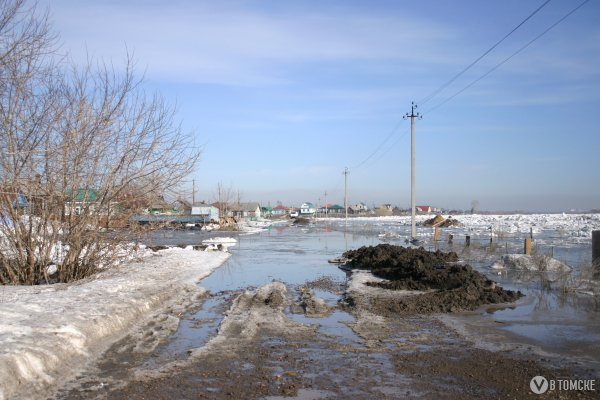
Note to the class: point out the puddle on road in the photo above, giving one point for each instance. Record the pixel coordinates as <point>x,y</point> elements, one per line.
<point>333,325</point>
<point>195,329</point>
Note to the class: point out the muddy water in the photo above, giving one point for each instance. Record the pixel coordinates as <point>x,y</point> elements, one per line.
<point>290,254</point>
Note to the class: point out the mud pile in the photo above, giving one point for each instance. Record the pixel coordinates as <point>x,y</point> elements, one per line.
<point>301,221</point>
<point>445,286</point>
<point>438,220</point>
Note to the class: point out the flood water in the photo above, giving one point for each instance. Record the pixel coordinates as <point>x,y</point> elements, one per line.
<point>548,316</point>
<point>290,254</point>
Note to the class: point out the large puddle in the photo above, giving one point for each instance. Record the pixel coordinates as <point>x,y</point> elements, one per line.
<point>290,254</point>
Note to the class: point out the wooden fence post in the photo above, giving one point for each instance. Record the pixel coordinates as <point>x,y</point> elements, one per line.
<point>596,253</point>
<point>528,247</point>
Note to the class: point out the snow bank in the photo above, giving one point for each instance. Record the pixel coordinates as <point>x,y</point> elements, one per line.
<point>48,332</point>
<point>522,262</point>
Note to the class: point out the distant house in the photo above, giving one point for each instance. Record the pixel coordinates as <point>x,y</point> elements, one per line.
<point>307,209</point>
<point>398,211</point>
<point>81,201</point>
<point>333,209</point>
<point>20,201</point>
<point>184,206</point>
<point>358,209</point>
<point>424,209</point>
<point>384,210</point>
<point>210,213</point>
<point>280,209</point>
<point>244,210</point>
<point>161,207</point>
<point>266,211</point>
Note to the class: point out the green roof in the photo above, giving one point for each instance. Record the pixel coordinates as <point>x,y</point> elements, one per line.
<point>86,195</point>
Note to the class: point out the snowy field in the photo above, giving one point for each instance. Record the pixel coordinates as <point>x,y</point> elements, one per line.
<point>49,332</point>
<point>567,225</point>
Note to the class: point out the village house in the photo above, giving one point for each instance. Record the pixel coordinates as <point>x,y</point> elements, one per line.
<point>208,212</point>
<point>385,210</point>
<point>160,207</point>
<point>331,209</point>
<point>83,201</point>
<point>424,209</point>
<point>358,209</point>
<point>266,211</point>
<point>279,210</point>
<point>307,209</point>
<point>244,210</point>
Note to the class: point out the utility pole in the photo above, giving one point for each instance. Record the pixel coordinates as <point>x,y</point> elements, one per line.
<point>346,191</point>
<point>413,195</point>
<point>325,203</point>
<point>318,206</point>
<point>193,191</point>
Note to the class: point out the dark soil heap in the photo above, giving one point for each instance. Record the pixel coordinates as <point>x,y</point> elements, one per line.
<point>455,287</point>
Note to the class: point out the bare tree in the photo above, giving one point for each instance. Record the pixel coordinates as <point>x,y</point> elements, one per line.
<point>76,150</point>
<point>223,199</point>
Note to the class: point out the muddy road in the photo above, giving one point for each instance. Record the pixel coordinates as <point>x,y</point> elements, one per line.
<point>281,323</point>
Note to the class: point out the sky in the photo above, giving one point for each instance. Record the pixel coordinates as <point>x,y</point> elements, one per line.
<point>283,95</point>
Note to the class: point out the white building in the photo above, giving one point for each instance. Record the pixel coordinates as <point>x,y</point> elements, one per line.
<point>308,209</point>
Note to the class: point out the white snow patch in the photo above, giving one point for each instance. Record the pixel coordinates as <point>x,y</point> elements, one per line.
<point>522,262</point>
<point>48,333</point>
<point>575,226</point>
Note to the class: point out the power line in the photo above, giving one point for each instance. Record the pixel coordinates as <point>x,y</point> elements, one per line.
<point>388,149</point>
<point>438,90</point>
<point>509,57</point>
<point>387,138</point>
<point>445,85</point>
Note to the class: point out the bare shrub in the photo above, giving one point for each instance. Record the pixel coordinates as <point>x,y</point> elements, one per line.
<point>80,148</point>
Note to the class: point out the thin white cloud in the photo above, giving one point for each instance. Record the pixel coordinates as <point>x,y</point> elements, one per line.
<point>206,42</point>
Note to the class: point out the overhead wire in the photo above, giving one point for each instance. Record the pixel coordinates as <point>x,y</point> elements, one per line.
<point>442,87</point>
<point>449,82</point>
<point>387,138</point>
<point>388,149</point>
<point>509,57</point>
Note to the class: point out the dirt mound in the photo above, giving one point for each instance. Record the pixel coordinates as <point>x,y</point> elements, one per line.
<point>312,305</point>
<point>301,221</point>
<point>438,220</point>
<point>450,287</point>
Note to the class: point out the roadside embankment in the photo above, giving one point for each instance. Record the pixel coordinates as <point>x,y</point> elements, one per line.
<point>48,333</point>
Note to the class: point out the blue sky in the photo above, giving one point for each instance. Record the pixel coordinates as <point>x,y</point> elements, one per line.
<point>282,95</point>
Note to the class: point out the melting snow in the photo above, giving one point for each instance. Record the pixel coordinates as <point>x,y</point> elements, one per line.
<point>48,332</point>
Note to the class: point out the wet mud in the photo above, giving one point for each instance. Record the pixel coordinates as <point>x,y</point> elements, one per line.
<point>415,357</point>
